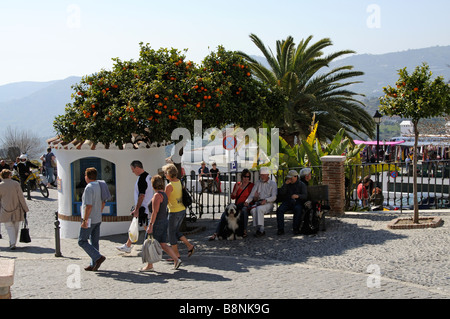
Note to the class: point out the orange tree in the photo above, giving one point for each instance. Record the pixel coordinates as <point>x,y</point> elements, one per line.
<point>416,96</point>
<point>161,91</point>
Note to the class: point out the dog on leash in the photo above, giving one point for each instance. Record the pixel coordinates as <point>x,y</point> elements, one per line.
<point>234,226</point>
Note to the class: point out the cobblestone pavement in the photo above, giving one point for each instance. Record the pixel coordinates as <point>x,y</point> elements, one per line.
<point>358,257</point>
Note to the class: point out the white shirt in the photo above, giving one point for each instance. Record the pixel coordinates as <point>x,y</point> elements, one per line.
<point>267,190</point>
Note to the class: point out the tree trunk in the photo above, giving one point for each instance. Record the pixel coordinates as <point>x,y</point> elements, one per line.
<point>416,203</point>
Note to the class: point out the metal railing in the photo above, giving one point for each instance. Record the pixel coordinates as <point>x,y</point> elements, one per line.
<point>396,183</point>
<point>395,180</point>
<point>212,195</point>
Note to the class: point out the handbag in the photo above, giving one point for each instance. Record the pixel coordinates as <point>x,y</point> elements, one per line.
<point>187,199</point>
<point>151,250</point>
<point>25,233</point>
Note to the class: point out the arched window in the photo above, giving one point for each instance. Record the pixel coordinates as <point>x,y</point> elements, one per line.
<point>106,171</point>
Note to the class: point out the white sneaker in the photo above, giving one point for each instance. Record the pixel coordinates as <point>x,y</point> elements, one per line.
<point>124,248</point>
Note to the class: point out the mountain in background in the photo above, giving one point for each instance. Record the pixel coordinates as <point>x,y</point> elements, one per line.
<point>382,70</point>
<point>33,106</point>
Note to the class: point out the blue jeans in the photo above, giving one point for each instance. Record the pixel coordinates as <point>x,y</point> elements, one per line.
<point>160,231</point>
<point>49,172</point>
<point>285,206</point>
<point>175,220</point>
<point>92,249</point>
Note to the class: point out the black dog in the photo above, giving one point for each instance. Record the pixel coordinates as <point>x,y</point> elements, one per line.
<point>233,228</point>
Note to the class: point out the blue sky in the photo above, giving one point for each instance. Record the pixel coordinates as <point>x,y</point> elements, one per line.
<point>53,39</point>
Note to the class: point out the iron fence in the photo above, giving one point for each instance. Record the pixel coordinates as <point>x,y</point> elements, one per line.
<point>211,196</point>
<point>396,183</point>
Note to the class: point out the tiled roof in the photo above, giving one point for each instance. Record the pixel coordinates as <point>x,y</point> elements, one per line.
<point>59,144</point>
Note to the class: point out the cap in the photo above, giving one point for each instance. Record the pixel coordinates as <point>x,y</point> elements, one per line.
<point>264,170</point>
<point>305,172</point>
<point>292,173</point>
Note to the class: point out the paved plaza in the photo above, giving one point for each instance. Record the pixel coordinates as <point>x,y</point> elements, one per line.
<point>357,257</point>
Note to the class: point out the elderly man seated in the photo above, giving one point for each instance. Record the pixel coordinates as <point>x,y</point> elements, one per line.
<point>264,194</point>
<point>294,194</point>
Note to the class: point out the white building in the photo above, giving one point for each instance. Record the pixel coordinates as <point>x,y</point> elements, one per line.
<point>113,166</point>
<point>406,128</point>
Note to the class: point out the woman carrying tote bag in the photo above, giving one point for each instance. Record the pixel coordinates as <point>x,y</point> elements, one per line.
<point>158,223</point>
<point>12,206</point>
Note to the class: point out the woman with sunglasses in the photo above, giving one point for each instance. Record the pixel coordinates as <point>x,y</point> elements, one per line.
<point>240,193</point>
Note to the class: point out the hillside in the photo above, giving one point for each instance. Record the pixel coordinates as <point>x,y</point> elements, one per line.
<point>17,91</point>
<point>382,70</point>
<point>34,105</point>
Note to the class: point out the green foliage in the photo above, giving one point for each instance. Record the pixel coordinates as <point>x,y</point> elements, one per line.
<point>160,92</point>
<point>300,71</point>
<point>309,152</point>
<point>416,96</point>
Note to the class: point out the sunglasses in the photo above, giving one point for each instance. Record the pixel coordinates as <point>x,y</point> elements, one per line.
<point>246,176</point>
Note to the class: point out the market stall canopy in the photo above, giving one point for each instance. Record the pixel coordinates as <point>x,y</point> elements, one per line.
<point>380,142</point>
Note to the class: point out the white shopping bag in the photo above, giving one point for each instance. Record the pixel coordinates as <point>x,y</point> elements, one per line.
<point>133,231</point>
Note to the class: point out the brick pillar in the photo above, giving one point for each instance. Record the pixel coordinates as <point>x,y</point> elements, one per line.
<point>333,175</point>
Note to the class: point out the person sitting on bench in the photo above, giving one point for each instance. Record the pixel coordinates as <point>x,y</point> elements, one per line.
<point>264,194</point>
<point>293,193</point>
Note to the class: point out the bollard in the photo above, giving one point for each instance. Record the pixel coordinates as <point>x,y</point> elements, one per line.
<point>28,191</point>
<point>57,237</point>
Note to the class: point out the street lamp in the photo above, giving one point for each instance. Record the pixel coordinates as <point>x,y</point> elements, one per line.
<point>377,119</point>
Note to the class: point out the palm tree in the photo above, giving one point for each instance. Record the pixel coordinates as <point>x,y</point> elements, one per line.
<point>322,96</point>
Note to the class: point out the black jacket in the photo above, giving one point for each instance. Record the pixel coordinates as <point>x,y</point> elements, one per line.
<point>24,169</point>
<point>298,188</point>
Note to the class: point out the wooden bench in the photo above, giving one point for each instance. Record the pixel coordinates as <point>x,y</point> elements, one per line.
<point>6,278</point>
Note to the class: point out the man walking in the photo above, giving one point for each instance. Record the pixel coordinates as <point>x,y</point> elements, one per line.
<point>91,218</point>
<point>49,165</point>
<point>143,194</point>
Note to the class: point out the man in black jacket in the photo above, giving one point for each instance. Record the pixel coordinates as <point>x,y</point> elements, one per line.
<point>294,194</point>
<point>24,169</point>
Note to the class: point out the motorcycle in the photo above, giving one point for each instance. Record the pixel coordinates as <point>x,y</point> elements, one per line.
<point>33,182</point>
